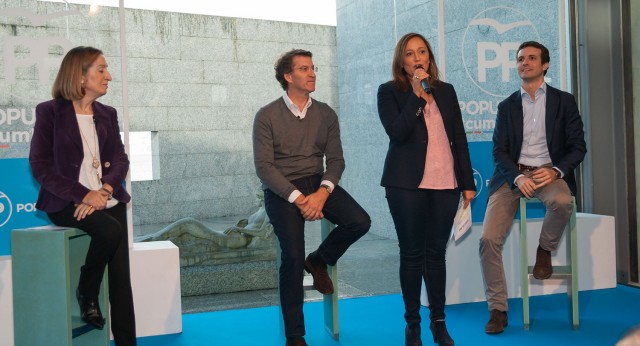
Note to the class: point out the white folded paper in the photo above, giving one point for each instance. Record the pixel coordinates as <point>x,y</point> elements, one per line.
<point>462,220</point>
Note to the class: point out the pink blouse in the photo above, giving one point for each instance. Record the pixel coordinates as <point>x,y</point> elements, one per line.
<point>438,167</point>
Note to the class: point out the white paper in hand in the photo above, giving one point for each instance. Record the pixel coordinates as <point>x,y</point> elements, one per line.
<point>462,221</point>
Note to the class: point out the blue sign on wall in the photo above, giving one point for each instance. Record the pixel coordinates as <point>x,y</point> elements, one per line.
<point>18,195</point>
<point>482,162</point>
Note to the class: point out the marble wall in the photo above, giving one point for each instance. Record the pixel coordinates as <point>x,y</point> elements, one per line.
<point>196,81</point>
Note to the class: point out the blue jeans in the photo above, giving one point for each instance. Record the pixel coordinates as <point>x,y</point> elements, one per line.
<point>351,221</point>
<point>423,220</point>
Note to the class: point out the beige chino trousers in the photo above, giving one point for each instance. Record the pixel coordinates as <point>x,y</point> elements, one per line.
<point>499,215</point>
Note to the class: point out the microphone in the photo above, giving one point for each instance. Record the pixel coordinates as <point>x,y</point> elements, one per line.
<point>94,119</point>
<point>425,82</point>
<point>425,85</point>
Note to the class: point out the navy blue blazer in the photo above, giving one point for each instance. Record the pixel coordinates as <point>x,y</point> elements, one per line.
<point>408,138</point>
<point>56,154</point>
<point>564,131</point>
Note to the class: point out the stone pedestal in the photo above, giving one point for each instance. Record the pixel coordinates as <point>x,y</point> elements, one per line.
<point>231,277</point>
<point>240,258</point>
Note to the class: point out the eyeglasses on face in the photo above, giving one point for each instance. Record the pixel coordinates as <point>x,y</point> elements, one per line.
<point>306,69</point>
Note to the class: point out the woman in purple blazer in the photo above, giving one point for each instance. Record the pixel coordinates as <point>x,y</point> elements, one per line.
<point>426,170</point>
<point>78,158</point>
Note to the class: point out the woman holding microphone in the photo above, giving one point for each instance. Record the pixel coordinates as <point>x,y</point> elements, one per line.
<point>426,170</point>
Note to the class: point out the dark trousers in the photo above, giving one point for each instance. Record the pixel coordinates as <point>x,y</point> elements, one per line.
<point>351,221</point>
<point>423,220</point>
<point>109,245</point>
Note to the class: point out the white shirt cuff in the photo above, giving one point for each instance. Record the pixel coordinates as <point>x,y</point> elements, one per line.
<point>516,179</point>
<point>293,196</point>
<point>328,183</point>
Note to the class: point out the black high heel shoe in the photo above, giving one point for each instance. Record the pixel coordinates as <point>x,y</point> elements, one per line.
<point>440,334</point>
<point>90,311</point>
<point>412,335</point>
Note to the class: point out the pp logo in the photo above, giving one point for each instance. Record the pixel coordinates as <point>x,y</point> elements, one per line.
<point>21,53</point>
<point>489,46</point>
<point>5,209</point>
<point>477,179</point>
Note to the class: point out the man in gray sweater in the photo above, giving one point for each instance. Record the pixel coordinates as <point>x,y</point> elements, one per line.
<point>293,138</point>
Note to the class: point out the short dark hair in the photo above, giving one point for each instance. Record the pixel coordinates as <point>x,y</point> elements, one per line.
<point>75,64</point>
<point>285,65</point>
<point>544,56</point>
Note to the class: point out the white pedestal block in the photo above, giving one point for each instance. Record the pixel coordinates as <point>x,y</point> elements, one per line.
<point>155,278</point>
<point>596,260</point>
<point>6,302</point>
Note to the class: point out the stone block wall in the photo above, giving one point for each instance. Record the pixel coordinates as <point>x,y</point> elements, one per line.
<point>198,81</point>
<point>195,80</point>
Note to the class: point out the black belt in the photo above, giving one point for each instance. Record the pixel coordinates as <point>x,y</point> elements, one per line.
<point>526,168</point>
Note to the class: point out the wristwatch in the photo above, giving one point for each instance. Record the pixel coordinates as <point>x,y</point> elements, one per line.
<point>110,197</point>
<point>326,187</point>
<point>558,173</point>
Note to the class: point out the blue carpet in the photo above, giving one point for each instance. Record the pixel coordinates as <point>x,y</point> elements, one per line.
<point>605,315</point>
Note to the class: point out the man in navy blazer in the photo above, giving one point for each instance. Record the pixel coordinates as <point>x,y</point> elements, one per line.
<point>538,141</point>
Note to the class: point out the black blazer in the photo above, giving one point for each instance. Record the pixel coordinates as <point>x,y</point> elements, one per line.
<point>565,137</point>
<point>405,161</point>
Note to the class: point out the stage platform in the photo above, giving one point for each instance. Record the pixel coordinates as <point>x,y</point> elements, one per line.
<point>369,268</point>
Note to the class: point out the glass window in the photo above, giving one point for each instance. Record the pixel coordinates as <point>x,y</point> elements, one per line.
<point>34,37</point>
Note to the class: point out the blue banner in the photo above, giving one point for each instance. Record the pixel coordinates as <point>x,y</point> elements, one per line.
<point>18,195</point>
<point>482,163</point>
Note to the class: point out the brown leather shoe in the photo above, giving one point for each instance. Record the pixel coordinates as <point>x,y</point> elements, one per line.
<point>296,341</point>
<point>542,270</point>
<point>315,266</point>
<point>497,321</point>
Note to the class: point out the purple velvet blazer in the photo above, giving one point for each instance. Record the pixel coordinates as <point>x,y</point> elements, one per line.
<point>56,154</point>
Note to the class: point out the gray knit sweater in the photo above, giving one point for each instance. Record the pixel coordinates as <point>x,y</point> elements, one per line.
<point>286,148</point>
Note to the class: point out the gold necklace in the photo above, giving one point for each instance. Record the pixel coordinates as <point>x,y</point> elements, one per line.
<point>95,163</point>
